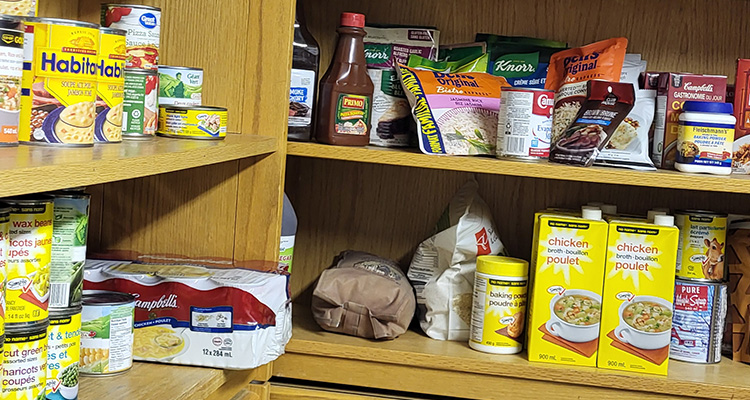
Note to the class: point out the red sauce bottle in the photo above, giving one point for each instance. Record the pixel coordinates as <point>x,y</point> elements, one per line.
<point>346,90</point>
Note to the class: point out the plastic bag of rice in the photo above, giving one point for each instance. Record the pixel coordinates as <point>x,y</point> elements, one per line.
<point>442,270</point>
<point>628,147</point>
<point>570,70</point>
<point>456,114</point>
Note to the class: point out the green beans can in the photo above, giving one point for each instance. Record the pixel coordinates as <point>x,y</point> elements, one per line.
<point>69,234</point>
<point>63,353</point>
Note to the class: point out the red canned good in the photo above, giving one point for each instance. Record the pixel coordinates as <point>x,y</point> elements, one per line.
<point>524,128</point>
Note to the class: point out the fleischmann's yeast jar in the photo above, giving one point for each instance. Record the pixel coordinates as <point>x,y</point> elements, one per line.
<point>705,138</point>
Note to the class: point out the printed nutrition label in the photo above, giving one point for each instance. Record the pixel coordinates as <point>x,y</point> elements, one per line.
<point>121,339</point>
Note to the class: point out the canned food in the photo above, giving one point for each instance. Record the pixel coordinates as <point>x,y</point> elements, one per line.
<point>525,123</point>
<point>700,310</point>
<point>140,104</point>
<point>193,122</point>
<point>180,86</point>
<point>25,8</point>
<point>59,82</point>
<point>24,362</point>
<point>70,230</point>
<point>11,68</point>
<point>106,332</point>
<point>143,24</point>
<point>110,86</point>
<point>700,254</point>
<point>4,229</point>
<point>63,353</point>
<point>29,250</point>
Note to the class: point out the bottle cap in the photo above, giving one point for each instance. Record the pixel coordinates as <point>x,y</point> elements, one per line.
<point>610,209</point>
<point>664,220</point>
<point>502,266</point>
<point>593,213</point>
<point>353,19</point>
<point>653,213</point>
<point>708,107</point>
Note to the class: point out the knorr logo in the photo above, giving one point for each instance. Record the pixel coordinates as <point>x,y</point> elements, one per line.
<point>377,54</point>
<point>516,65</point>
<point>353,102</point>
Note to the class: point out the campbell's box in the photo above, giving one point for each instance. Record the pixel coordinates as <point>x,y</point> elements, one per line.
<point>568,259</point>
<point>672,91</point>
<point>741,150</point>
<point>637,298</point>
<point>196,315</point>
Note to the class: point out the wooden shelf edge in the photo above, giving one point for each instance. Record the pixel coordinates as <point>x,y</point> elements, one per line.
<point>542,170</point>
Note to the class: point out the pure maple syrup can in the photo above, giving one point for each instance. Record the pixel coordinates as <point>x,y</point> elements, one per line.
<point>700,310</point>
<point>702,246</point>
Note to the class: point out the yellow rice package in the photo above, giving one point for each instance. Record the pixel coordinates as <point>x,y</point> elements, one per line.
<point>456,113</point>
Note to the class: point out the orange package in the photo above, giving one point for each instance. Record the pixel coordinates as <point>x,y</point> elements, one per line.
<point>569,70</point>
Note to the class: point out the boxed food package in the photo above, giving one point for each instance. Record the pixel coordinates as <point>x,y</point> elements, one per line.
<point>195,315</point>
<point>741,149</point>
<point>565,310</point>
<point>673,90</point>
<point>385,47</point>
<point>639,280</point>
<point>738,311</point>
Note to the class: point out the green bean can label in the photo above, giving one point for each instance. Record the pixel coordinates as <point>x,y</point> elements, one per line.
<point>63,356</point>
<point>25,366</point>
<point>352,114</point>
<point>70,229</point>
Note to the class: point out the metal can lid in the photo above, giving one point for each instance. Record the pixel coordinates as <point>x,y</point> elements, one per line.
<point>702,213</point>
<point>28,200</point>
<point>161,67</point>
<point>503,266</point>
<point>138,71</point>
<point>104,298</point>
<point>680,281</point>
<point>113,31</point>
<point>138,6</point>
<point>67,22</point>
<point>70,195</point>
<point>56,313</point>
<point>11,22</point>
<point>15,330</point>
<point>196,108</point>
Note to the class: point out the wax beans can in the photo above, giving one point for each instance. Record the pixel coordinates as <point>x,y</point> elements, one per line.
<point>4,229</point>
<point>140,105</point>
<point>106,332</point>
<point>193,122</point>
<point>29,251</point>
<point>11,71</point>
<point>25,362</point>
<point>70,230</point>
<point>110,86</point>
<point>63,353</point>
<point>143,26</point>
<point>499,307</point>
<point>701,251</point>
<point>180,86</point>
<point>700,310</point>
<point>524,128</point>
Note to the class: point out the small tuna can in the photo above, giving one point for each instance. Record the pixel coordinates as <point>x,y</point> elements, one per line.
<point>140,104</point>
<point>499,307</point>
<point>24,362</point>
<point>700,310</point>
<point>701,249</point>
<point>106,332</point>
<point>193,122</point>
<point>63,353</point>
<point>524,128</point>
<point>69,234</point>
<point>143,24</point>
<point>180,86</point>
<point>110,86</point>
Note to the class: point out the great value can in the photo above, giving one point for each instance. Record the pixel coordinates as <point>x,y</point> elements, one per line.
<point>140,106</point>
<point>143,26</point>
<point>180,86</point>
<point>59,82</point>
<point>701,251</point>
<point>4,229</point>
<point>63,354</point>
<point>110,86</point>
<point>700,310</point>
<point>25,363</point>
<point>29,250</point>
<point>193,122</point>
<point>70,230</point>
<point>23,8</point>
<point>106,332</point>
<point>11,70</point>
<point>525,123</point>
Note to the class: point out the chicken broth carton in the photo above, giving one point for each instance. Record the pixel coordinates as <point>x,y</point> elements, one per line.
<point>568,260</point>
<point>637,298</point>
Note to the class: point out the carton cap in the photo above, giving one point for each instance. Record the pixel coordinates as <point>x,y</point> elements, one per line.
<point>664,220</point>
<point>654,213</point>
<point>588,212</point>
<point>503,266</point>
<point>610,209</point>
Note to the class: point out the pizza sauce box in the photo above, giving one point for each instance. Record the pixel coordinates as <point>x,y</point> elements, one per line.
<point>637,298</point>
<point>568,264</point>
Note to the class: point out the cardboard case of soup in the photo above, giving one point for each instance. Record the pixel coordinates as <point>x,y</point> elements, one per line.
<point>194,315</point>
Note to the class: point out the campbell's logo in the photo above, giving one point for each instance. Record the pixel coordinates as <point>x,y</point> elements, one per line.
<point>165,301</point>
<point>544,100</point>
<point>12,39</point>
<point>148,20</point>
<point>706,87</point>
<point>353,102</point>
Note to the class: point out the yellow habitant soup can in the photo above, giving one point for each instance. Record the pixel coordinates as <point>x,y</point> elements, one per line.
<point>703,239</point>
<point>110,86</point>
<point>499,309</point>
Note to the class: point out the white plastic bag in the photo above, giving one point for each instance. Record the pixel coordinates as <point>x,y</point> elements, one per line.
<point>442,270</point>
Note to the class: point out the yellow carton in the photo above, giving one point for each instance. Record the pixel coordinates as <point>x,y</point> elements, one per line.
<point>568,263</point>
<point>638,291</point>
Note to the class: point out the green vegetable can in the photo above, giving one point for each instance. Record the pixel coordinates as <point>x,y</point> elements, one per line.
<point>106,332</point>
<point>25,362</point>
<point>63,353</point>
<point>70,229</point>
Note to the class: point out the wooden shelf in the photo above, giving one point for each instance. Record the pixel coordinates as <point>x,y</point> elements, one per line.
<point>543,169</point>
<point>416,363</point>
<point>31,169</point>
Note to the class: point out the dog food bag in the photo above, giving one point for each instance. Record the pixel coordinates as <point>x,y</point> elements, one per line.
<point>456,114</point>
<point>442,269</point>
<point>569,70</point>
<point>606,106</point>
<point>628,147</point>
<point>523,61</point>
<point>385,47</point>
<point>363,295</point>
<point>738,312</point>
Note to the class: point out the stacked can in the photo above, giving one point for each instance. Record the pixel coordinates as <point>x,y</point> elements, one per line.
<point>110,86</point>
<point>140,101</point>
<point>700,303</point>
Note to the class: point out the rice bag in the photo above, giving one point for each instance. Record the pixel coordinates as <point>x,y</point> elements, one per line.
<point>456,114</point>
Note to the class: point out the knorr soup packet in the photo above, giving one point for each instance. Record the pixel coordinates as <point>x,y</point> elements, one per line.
<point>456,114</point>
<point>523,61</point>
